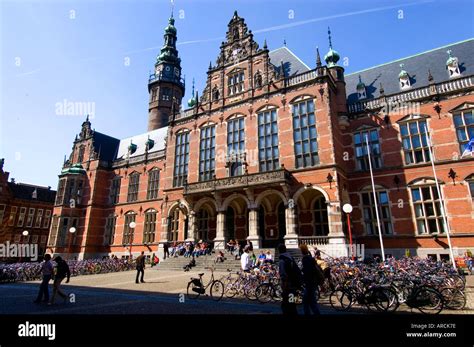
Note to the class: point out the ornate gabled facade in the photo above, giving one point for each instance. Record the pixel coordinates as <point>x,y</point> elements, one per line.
<point>272,150</point>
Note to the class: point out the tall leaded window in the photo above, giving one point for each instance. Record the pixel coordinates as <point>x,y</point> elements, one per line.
<point>304,134</point>
<point>427,206</point>
<point>464,123</point>
<point>360,142</point>
<point>181,159</point>
<point>150,226</point>
<point>11,219</point>
<point>471,188</point>
<point>207,153</point>
<point>109,234</point>
<point>128,231</point>
<point>235,83</point>
<point>235,145</point>
<point>268,154</point>
<point>133,184</point>
<point>115,190</point>
<point>370,217</point>
<point>321,217</point>
<point>80,157</point>
<point>415,143</point>
<point>173,225</point>
<point>153,184</point>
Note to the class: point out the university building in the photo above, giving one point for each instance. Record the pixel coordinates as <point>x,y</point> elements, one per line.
<point>25,212</point>
<point>272,149</point>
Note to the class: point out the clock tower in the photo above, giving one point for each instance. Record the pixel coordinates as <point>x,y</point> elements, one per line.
<point>165,85</point>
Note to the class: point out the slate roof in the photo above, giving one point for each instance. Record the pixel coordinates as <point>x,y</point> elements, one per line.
<point>25,192</point>
<point>292,65</point>
<point>417,67</point>
<point>106,146</point>
<point>157,135</point>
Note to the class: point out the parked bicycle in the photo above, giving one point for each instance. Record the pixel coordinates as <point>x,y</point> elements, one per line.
<point>196,287</point>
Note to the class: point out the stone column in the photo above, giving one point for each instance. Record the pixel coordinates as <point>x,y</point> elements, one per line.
<point>291,238</point>
<point>337,246</point>
<point>163,237</point>
<point>253,229</point>
<point>219,241</point>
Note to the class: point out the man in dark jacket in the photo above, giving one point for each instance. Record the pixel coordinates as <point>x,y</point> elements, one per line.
<point>289,273</point>
<point>312,276</point>
<point>62,272</point>
<point>140,267</point>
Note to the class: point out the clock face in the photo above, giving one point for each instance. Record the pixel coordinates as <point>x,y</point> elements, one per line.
<point>167,69</point>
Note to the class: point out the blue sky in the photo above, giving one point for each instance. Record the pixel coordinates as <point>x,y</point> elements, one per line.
<point>100,52</point>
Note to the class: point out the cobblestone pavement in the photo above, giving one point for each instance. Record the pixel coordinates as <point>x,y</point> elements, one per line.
<point>163,293</point>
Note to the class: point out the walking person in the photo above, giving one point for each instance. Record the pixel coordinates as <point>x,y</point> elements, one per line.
<point>62,272</point>
<point>47,273</point>
<point>291,281</point>
<point>166,250</point>
<point>312,276</point>
<point>140,267</point>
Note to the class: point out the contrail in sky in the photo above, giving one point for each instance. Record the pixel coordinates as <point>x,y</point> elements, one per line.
<point>269,29</point>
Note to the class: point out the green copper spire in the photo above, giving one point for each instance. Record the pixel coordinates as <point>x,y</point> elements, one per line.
<point>192,102</point>
<point>451,60</point>
<point>332,57</point>
<point>403,73</point>
<point>169,53</point>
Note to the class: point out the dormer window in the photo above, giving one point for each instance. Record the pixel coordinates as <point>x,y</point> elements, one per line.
<point>361,91</point>
<point>235,83</point>
<point>404,79</point>
<point>132,148</point>
<point>215,93</point>
<point>452,65</point>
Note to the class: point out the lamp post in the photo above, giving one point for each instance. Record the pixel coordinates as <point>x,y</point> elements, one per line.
<point>132,225</point>
<point>347,208</point>
<point>25,233</point>
<point>72,230</point>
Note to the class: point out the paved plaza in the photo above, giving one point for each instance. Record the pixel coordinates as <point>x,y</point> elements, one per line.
<point>163,293</point>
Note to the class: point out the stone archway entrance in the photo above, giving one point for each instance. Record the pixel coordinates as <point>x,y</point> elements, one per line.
<point>312,214</point>
<point>271,219</point>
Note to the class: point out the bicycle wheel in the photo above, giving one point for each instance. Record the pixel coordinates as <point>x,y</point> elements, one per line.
<point>249,291</point>
<point>454,298</point>
<point>264,293</point>
<point>231,289</point>
<point>217,290</point>
<point>377,300</point>
<point>190,292</point>
<point>340,300</point>
<point>428,300</point>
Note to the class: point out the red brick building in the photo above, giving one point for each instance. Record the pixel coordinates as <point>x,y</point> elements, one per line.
<point>24,207</point>
<point>272,149</point>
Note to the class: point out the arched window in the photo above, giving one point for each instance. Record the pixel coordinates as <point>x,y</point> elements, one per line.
<point>370,217</point>
<point>304,134</point>
<point>150,226</point>
<point>109,234</point>
<point>128,231</point>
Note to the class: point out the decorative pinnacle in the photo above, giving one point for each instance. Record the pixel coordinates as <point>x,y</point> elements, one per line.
<point>318,58</point>
<point>265,44</point>
<point>449,52</point>
<point>430,76</point>
<point>192,93</point>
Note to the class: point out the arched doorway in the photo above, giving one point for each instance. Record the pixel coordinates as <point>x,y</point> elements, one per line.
<point>271,219</point>
<point>229,224</point>
<point>177,225</point>
<point>312,214</point>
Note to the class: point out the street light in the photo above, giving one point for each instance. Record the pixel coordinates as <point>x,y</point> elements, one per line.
<point>72,230</point>
<point>132,225</point>
<point>347,208</point>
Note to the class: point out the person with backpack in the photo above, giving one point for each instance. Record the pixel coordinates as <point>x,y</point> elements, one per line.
<point>62,272</point>
<point>291,281</point>
<point>312,276</point>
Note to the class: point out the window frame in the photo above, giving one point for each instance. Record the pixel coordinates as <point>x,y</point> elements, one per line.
<point>235,83</point>
<point>303,138</point>
<point>133,186</point>
<point>464,127</point>
<point>47,218</point>
<point>362,161</point>
<point>424,216</point>
<point>3,208</point>
<point>12,216</point>
<point>21,217</point>
<point>268,163</point>
<point>384,221</point>
<point>207,154</point>
<point>39,218</point>
<point>409,154</point>
<point>115,187</point>
<point>153,184</point>
<point>128,232</point>
<point>149,229</point>
<point>236,145</point>
<point>181,159</point>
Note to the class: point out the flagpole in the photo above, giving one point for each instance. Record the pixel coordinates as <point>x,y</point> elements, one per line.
<point>443,212</point>
<point>375,198</point>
